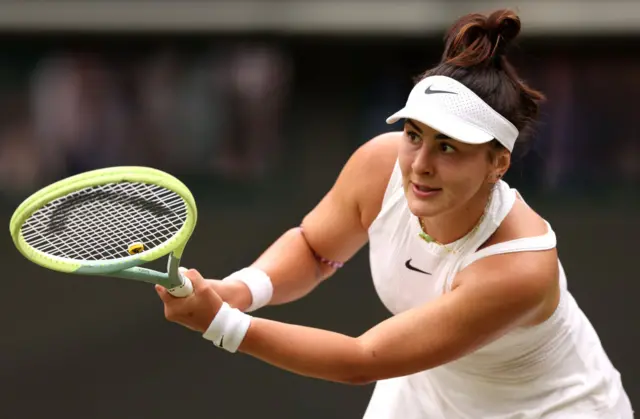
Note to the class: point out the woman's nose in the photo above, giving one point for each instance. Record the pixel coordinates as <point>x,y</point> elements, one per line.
<point>423,160</point>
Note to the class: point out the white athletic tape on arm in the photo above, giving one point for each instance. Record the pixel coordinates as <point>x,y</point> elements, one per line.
<point>228,328</point>
<point>258,283</point>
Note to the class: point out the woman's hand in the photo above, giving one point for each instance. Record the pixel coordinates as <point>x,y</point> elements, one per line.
<point>234,293</point>
<point>195,311</point>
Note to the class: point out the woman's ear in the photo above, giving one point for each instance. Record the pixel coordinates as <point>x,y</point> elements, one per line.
<point>501,164</point>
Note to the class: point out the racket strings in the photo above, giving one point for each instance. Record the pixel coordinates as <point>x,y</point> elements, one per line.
<point>101,222</point>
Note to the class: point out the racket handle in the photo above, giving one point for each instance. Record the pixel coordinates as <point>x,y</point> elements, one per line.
<point>184,290</point>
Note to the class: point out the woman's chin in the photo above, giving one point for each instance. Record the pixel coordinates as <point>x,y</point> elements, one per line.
<point>425,209</point>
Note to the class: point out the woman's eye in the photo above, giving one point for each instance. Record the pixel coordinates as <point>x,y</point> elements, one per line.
<point>414,138</point>
<point>446,148</point>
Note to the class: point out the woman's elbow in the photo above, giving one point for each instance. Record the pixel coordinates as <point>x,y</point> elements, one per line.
<point>357,380</point>
<point>361,370</point>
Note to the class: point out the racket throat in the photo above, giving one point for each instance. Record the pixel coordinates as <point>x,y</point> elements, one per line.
<point>169,279</point>
<point>174,278</point>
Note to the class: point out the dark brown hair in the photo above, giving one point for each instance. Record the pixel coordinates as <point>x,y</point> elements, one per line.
<point>475,55</point>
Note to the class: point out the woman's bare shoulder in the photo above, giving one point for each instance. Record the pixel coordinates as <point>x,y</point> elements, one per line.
<point>521,222</point>
<point>536,273</point>
<point>372,165</point>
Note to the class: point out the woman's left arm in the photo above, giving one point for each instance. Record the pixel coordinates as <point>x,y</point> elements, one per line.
<point>494,295</point>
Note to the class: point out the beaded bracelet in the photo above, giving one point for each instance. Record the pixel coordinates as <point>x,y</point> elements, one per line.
<point>332,263</point>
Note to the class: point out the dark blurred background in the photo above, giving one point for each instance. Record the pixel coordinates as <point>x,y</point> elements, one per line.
<point>256,106</point>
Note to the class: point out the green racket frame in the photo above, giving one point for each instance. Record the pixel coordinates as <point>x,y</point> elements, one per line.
<point>126,267</point>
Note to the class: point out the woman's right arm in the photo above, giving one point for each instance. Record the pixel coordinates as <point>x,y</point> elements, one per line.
<point>335,229</point>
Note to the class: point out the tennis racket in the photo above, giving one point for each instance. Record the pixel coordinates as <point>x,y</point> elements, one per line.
<point>108,222</point>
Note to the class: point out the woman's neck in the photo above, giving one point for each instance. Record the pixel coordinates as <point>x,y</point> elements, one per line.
<point>453,225</point>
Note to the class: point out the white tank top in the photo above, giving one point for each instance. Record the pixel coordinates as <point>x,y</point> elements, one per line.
<point>557,369</point>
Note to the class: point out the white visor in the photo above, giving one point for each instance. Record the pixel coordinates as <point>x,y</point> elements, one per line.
<point>451,108</point>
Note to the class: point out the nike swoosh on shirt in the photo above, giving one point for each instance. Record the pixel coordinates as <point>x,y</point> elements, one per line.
<point>413,268</point>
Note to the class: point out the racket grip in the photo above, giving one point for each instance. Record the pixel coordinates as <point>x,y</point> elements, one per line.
<point>184,290</point>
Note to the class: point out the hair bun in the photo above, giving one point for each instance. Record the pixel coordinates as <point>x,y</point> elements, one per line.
<point>476,40</point>
<point>503,27</point>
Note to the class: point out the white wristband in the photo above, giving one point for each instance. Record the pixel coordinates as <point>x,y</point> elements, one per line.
<point>259,285</point>
<point>228,328</point>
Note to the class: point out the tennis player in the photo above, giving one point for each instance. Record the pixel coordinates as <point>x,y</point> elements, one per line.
<point>483,325</point>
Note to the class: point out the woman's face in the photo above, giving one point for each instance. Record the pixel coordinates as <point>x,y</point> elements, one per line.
<point>441,174</point>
